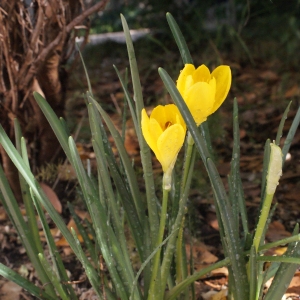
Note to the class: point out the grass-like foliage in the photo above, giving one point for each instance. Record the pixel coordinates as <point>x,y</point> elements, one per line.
<point>116,202</point>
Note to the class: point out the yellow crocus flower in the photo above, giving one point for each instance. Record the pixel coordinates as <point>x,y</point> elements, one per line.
<point>202,91</point>
<point>164,132</point>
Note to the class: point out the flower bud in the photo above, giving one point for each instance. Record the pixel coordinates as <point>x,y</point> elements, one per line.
<point>275,168</point>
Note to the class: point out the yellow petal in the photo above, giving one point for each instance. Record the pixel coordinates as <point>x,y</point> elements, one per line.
<point>169,144</point>
<point>202,74</point>
<point>185,79</point>
<point>222,74</point>
<point>200,101</point>
<point>167,115</point>
<point>145,122</point>
<point>171,111</point>
<point>154,129</point>
<point>179,120</point>
<point>174,116</point>
<point>158,113</point>
<point>212,84</point>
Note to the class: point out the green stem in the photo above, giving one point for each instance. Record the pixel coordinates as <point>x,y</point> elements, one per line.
<point>262,220</point>
<point>179,255</point>
<point>185,186</point>
<point>188,156</point>
<point>155,291</point>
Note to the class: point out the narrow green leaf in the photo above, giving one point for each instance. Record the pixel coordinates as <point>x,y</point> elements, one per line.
<point>39,194</point>
<point>102,155</point>
<point>125,110</point>
<point>129,101</point>
<point>85,70</point>
<point>146,262</point>
<point>137,88</point>
<point>54,122</point>
<point>89,194</point>
<point>85,182</point>
<point>203,128</point>
<point>65,126</point>
<point>90,271</point>
<point>263,277</point>
<point>11,275</point>
<point>145,150</point>
<point>231,197</point>
<point>176,291</point>
<point>90,228</point>
<point>273,268</point>
<point>233,247</point>
<point>104,238</point>
<point>53,277</point>
<point>128,204</point>
<point>181,260</point>
<point>26,194</point>
<point>105,235</point>
<point>99,137</point>
<point>294,238</point>
<point>30,211</point>
<point>131,176</point>
<point>253,273</point>
<point>286,271</point>
<point>9,197</point>
<point>281,125</point>
<point>288,260</point>
<point>57,263</point>
<point>12,208</point>
<point>87,241</point>
<point>191,261</point>
<point>179,255</point>
<point>236,184</point>
<point>180,41</point>
<point>105,159</point>
<point>15,213</point>
<point>291,134</point>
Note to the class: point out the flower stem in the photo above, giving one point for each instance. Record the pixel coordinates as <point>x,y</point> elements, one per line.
<point>187,161</point>
<point>185,186</point>
<point>262,220</point>
<point>155,291</point>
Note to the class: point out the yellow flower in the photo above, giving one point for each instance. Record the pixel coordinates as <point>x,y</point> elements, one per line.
<point>164,132</point>
<point>202,91</point>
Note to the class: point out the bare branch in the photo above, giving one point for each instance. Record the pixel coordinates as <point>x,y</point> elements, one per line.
<point>37,29</point>
<point>97,7</point>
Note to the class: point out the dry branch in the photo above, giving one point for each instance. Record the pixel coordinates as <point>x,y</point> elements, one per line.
<point>35,37</point>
